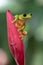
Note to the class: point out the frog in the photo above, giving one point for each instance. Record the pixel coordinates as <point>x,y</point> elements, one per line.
<point>20,22</point>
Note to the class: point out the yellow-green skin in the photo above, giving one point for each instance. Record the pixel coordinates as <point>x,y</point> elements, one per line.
<point>28,16</point>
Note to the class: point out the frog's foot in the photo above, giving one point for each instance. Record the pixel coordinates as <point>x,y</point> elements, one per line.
<point>22,34</point>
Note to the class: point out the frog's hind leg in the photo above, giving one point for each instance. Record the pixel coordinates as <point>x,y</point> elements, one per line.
<point>22,34</point>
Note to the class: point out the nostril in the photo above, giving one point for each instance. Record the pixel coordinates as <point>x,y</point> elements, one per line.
<point>31,14</point>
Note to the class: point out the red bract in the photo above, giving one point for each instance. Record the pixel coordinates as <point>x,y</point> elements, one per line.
<point>16,45</point>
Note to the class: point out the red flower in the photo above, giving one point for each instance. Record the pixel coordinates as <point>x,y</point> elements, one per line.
<point>15,43</point>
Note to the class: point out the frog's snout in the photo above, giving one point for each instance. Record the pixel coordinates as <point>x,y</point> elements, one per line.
<point>29,15</point>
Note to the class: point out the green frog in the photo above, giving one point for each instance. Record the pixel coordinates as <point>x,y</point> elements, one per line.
<point>19,22</point>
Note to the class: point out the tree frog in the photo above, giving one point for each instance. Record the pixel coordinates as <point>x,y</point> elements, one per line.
<point>20,21</point>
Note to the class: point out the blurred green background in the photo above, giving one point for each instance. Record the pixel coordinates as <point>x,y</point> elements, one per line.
<point>34,40</point>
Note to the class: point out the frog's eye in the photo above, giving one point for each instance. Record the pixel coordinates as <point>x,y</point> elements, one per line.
<point>24,15</point>
<point>27,16</point>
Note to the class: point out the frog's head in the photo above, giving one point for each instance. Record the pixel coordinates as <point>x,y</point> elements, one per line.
<point>22,17</point>
<point>25,16</point>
